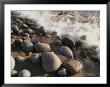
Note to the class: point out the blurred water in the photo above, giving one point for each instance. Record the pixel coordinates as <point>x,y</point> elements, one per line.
<point>69,23</point>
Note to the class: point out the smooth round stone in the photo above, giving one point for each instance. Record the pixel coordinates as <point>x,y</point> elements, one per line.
<point>66,51</point>
<point>62,72</point>
<point>73,66</point>
<point>50,61</point>
<point>41,47</point>
<point>27,46</point>
<point>35,57</point>
<point>68,42</point>
<point>12,62</point>
<point>24,73</point>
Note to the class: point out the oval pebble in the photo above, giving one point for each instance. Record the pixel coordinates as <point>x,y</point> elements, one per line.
<point>24,73</point>
<point>66,51</point>
<point>50,61</point>
<point>68,42</point>
<point>62,72</point>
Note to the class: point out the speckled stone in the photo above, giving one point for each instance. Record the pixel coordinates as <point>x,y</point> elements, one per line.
<point>24,73</point>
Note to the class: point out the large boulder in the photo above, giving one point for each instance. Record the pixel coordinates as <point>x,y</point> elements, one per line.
<point>66,51</point>
<point>50,61</point>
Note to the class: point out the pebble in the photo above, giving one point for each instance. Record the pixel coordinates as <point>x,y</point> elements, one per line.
<point>62,72</point>
<point>66,51</point>
<point>73,66</point>
<point>50,61</point>
<point>68,42</point>
<point>24,73</point>
<point>27,46</point>
<point>41,47</point>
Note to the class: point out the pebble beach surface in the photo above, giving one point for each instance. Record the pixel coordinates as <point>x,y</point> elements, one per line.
<point>39,49</point>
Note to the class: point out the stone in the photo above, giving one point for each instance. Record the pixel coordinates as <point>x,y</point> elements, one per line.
<point>24,73</point>
<point>66,51</point>
<point>73,66</point>
<point>62,72</point>
<point>41,47</point>
<point>68,42</point>
<point>50,61</point>
<point>27,46</point>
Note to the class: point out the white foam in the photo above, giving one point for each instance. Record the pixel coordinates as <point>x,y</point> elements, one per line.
<point>74,30</point>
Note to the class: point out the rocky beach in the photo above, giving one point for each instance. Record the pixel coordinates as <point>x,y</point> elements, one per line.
<point>55,43</point>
